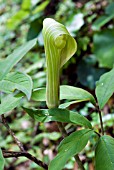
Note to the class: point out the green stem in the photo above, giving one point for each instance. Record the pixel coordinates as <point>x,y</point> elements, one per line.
<point>62,129</point>
<point>97,134</point>
<point>101,122</point>
<point>64,134</point>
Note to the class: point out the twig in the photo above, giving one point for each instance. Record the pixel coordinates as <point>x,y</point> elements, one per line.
<point>9,154</point>
<point>100,116</point>
<point>62,129</point>
<point>64,134</point>
<point>79,162</point>
<point>97,134</point>
<point>20,145</point>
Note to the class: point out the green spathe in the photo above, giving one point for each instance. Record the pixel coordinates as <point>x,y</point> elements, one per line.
<point>59,48</point>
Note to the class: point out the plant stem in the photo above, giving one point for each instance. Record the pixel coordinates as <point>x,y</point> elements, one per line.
<point>101,122</point>
<point>8,154</point>
<point>19,144</point>
<point>97,134</point>
<point>62,129</point>
<point>64,134</point>
<point>79,162</point>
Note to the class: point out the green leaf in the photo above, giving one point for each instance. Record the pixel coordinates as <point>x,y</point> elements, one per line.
<point>73,23</point>
<point>60,46</point>
<point>8,103</point>
<point>15,20</point>
<point>105,88</point>
<point>69,147</point>
<point>110,9</point>
<point>104,48</point>
<point>7,64</point>
<point>26,5</point>
<point>39,94</point>
<point>52,136</point>
<point>2,161</point>
<point>22,14</point>
<point>73,93</point>
<point>41,7</point>
<point>67,104</point>
<point>90,73</point>
<point>40,115</point>
<point>101,21</point>
<point>60,115</point>
<point>17,80</point>
<point>104,154</point>
<point>35,28</point>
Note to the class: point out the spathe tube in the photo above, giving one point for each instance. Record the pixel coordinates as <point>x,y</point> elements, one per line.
<point>59,46</point>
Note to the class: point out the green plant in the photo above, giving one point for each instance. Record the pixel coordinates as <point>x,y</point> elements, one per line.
<point>59,47</point>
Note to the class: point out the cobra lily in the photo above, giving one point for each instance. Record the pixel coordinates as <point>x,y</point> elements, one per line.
<point>59,48</point>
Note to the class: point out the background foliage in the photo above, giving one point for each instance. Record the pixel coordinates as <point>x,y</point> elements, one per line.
<point>92,24</point>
